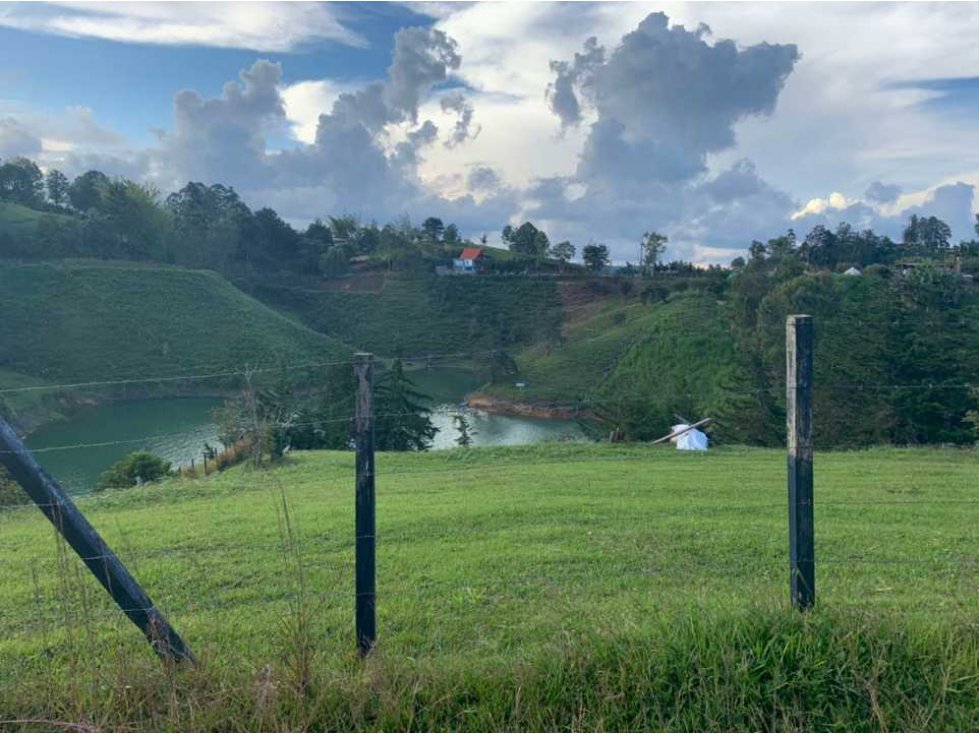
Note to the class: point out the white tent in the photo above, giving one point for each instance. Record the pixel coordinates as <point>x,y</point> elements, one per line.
<point>692,440</point>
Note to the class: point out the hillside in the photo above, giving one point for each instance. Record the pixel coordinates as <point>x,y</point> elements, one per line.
<point>77,322</point>
<point>415,313</point>
<point>554,588</point>
<point>32,234</point>
<point>619,351</point>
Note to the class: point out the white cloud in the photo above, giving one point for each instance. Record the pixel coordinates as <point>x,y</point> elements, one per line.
<point>836,200</point>
<point>50,137</point>
<point>305,101</point>
<point>841,123</point>
<point>259,26</point>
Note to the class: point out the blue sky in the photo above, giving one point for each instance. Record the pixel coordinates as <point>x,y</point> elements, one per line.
<point>772,115</point>
<point>51,72</point>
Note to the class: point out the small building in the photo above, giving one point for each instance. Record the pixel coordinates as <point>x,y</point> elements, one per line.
<point>470,260</point>
<point>853,270</point>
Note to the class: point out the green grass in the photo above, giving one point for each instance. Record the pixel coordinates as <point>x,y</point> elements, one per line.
<point>544,588</point>
<point>18,220</point>
<point>75,322</point>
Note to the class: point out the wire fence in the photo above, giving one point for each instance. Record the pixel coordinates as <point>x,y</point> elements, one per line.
<point>759,513</point>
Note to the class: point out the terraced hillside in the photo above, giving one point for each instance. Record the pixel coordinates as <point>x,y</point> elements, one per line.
<point>71,322</point>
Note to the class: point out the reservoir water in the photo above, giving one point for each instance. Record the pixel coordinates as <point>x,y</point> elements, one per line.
<point>178,428</point>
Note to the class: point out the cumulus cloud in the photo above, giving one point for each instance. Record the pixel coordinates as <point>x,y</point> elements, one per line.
<point>951,203</point>
<point>422,58</point>
<point>592,134</point>
<point>223,139</point>
<point>16,140</point>
<point>570,76</point>
<point>457,102</point>
<point>882,193</point>
<point>483,178</point>
<point>259,26</point>
<point>663,100</point>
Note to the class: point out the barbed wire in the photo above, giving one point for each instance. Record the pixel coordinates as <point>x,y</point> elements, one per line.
<point>243,370</point>
<point>623,453</point>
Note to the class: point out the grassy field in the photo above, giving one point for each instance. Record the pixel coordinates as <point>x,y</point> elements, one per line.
<point>63,320</point>
<point>555,587</point>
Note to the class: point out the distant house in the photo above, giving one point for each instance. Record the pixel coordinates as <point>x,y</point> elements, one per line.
<point>852,271</point>
<point>470,260</point>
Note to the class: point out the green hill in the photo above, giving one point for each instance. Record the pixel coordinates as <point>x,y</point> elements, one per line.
<point>31,234</point>
<point>621,356</point>
<point>552,588</point>
<point>413,313</point>
<point>77,322</point>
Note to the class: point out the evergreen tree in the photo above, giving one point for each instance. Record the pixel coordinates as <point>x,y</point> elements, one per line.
<point>401,420</point>
<point>462,425</point>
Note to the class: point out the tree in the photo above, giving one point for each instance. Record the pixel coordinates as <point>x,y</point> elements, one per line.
<point>563,251</point>
<point>21,182</point>
<point>139,467</point>
<point>210,225</point>
<point>927,233</point>
<point>85,191</point>
<point>526,239</point>
<point>136,222</point>
<point>595,256</point>
<point>465,437</point>
<point>11,492</point>
<point>451,235</point>
<point>651,247</point>
<point>57,186</point>
<point>271,243</point>
<point>432,229</point>
<point>402,421</point>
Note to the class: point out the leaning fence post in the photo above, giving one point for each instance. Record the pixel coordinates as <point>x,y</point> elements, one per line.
<point>798,386</point>
<point>68,520</point>
<point>365,514</point>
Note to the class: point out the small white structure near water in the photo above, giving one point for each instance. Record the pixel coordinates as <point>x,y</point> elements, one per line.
<point>692,440</point>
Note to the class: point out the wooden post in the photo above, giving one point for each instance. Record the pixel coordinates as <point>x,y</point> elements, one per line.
<point>365,513</point>
<point>798,386</point>
<point>57,506</point>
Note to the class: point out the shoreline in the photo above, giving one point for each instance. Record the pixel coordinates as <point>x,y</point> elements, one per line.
<point>481,401</point>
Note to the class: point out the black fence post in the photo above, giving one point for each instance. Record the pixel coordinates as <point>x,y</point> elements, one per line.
<point>365,514</point>
<point>57,506</point>
<point>798,386</point>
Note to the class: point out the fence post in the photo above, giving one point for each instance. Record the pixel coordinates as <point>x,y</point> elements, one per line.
<point>798,386</point>
<point>365,515</point>
<point>68,520</point>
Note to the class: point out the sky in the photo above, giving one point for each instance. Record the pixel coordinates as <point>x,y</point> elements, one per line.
<point>714,123</point>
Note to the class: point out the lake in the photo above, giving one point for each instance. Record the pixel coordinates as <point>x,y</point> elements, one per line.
<point>178,428</point>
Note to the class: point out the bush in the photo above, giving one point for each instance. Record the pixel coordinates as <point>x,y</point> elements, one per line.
<point>137,468</point>
<point>10,492</point>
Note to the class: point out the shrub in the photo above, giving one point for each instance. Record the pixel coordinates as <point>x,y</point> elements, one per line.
<point>10,492</point>
<point>137,468</point>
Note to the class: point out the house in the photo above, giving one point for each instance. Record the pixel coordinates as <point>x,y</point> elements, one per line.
<point>470,260</point>
<point>852,271</point>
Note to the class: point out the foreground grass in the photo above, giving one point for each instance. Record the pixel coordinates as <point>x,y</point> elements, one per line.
<point>555,587</point>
